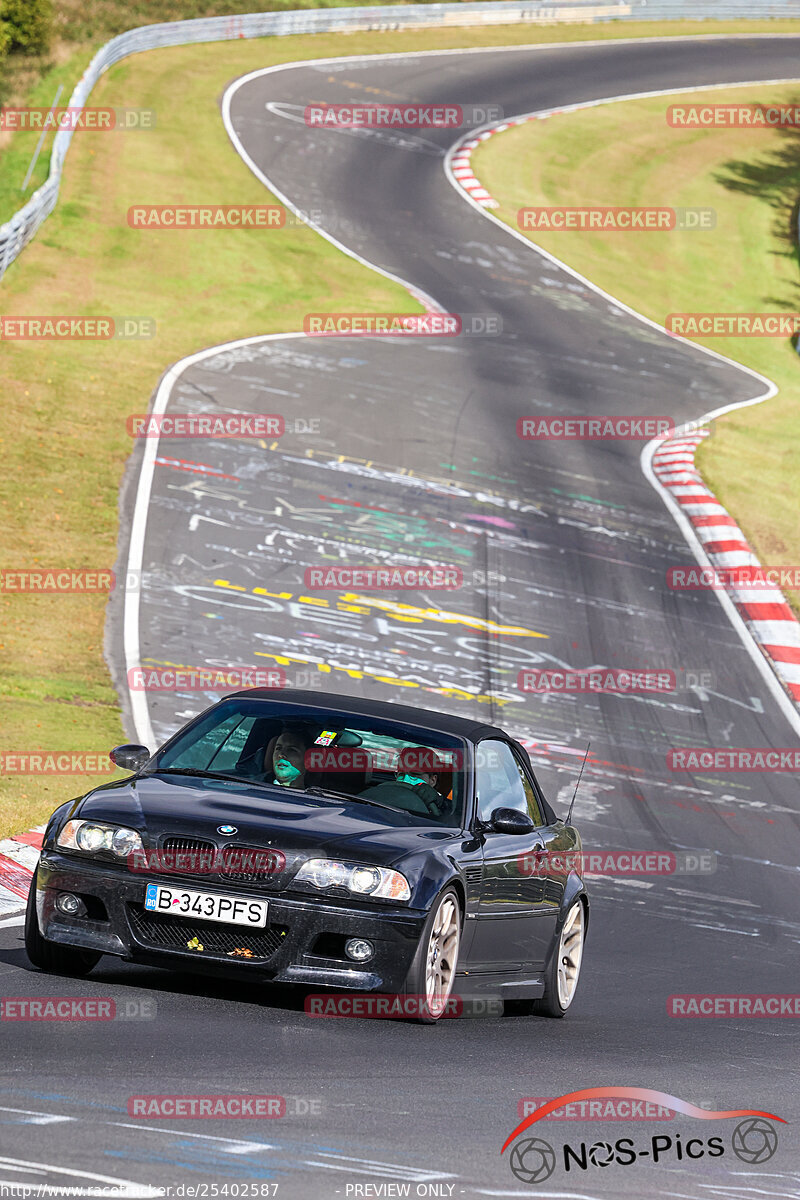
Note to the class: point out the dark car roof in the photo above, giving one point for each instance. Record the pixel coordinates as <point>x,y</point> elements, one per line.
<point>423,718</point>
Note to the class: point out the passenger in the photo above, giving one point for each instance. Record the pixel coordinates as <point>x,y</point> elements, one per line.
<point>413,788</point>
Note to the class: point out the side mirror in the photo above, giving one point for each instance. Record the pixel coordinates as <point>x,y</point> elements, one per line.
<point>129,757</point>
<point>510,820</point>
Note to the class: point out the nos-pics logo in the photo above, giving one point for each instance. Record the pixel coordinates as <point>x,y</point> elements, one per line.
<point>533,1160</point>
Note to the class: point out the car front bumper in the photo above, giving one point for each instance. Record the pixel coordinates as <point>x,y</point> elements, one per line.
<point>287,951</point>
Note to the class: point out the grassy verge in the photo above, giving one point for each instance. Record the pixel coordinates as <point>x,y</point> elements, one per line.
<point>78,33</point>
<point>62,437</point>
<point>76,27</point>
<point>625,154</point>
<point>35,80</point>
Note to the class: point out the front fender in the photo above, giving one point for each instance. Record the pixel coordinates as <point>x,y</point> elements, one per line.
<point>57,820</point>
<point>428,875</point>
<point>574,888</point>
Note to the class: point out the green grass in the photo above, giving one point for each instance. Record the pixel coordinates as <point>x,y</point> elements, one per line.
<point>62,434</point>
<point>82,29</point>
<point>625,154</point>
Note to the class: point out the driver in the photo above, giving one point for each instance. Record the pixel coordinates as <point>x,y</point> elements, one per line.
<point>413,789</point>
<point>288,756</point>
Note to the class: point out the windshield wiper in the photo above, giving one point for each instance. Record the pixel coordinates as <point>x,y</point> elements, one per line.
<point>318,791</point>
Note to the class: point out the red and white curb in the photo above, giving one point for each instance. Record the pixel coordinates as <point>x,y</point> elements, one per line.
<point>461,165</point>
<point>764,610</point>
<point>18,858</point>
<point>462,169</point>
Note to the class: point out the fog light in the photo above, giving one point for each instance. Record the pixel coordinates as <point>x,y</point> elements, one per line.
<point>359,949</point>
<point>73,906</point>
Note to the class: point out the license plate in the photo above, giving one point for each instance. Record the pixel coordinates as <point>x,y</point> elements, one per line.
<point>207,906</point>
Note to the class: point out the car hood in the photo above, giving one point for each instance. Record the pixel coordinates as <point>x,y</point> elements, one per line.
<point>300,826</point>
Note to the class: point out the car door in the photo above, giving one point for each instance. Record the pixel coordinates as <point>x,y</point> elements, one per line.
<point>518,906</point>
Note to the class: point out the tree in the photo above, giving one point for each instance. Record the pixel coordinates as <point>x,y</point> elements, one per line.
<point>26,25</point>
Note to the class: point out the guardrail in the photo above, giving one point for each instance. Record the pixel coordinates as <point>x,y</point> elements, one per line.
<point>17,232</point>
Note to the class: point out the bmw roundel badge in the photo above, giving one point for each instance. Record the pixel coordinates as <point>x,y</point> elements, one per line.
<point>227,830</point>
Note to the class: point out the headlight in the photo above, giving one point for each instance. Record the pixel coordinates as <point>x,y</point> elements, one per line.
<point>92,836</point>
<point>363,881</point>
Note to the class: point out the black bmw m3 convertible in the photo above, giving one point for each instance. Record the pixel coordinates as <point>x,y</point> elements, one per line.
<point>325,841</point>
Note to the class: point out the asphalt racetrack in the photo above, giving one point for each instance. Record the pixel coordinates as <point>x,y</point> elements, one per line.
<point>415,454</point>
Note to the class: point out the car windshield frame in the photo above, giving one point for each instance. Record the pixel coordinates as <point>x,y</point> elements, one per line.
<point>165,760</point>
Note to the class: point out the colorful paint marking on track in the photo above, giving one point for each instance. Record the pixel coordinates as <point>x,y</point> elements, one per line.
<point>181,464</point>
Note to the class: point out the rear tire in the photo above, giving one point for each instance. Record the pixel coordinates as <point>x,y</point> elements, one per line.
<point>50,956</point>
<point>564,968</point>
<point>433,971</point>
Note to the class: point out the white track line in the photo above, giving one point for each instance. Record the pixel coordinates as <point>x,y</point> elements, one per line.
<point>37,1118</point>
<point>124,1188</point>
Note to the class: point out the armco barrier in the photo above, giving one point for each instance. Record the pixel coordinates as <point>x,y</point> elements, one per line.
<point>17,232</point>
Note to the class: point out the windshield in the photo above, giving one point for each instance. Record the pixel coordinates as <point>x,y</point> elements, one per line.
<point>322,752</point>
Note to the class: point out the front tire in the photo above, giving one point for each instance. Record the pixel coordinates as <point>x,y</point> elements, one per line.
<point>564,968</point>
<point>433,971</point>
<point>50,956</point>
